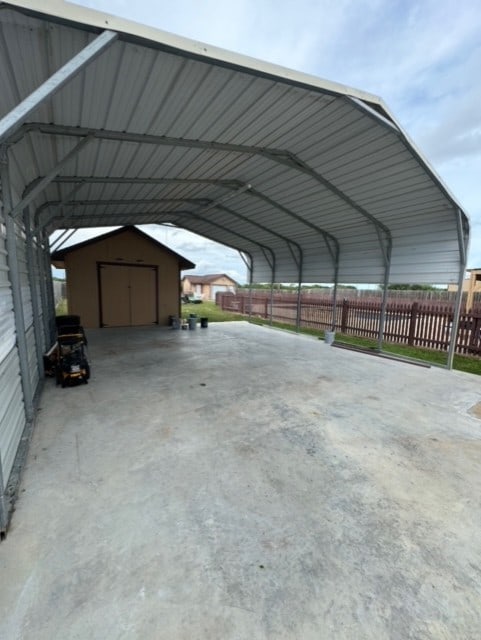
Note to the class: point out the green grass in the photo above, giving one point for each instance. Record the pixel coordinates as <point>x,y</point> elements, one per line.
<point>61,308</point>
<point>209,310</point>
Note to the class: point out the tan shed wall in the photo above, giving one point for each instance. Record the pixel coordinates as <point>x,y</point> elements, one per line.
<point>82,280</point>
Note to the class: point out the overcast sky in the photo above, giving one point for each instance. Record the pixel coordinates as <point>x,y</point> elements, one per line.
<point>422,57</point>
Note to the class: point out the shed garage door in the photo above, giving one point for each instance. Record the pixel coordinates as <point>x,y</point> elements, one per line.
<point>128,295</point>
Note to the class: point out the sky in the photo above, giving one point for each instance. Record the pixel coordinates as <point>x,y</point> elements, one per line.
<point>422,57</point>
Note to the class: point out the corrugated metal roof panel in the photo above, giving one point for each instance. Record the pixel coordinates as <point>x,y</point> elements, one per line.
<point>159,107</point>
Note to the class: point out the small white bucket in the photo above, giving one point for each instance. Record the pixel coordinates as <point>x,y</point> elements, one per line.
<point>329,337</point>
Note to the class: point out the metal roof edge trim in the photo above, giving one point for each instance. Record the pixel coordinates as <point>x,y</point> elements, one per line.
<point>82,16</point>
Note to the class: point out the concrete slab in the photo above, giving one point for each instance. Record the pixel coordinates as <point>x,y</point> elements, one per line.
<point>244,483</point>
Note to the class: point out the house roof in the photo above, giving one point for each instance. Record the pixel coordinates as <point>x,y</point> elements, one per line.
<point>208,278</point>
<point>58,257</point>
<point>108,122</point>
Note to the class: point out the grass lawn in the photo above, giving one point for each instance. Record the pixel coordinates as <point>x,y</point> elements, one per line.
<point>209,310</point>
<point>61,308</point>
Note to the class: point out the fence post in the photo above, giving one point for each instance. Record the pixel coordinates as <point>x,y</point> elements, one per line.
<point>243,307</point>
<point>412,323</point>
<point>344,315</point>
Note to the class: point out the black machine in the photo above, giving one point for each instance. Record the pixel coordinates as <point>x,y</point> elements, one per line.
<point>72,364</point>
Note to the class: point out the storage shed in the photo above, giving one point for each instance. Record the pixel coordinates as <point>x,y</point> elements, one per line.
<point>123,278</point>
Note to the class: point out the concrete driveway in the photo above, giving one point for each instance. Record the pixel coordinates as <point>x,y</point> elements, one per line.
<point>239,482</point>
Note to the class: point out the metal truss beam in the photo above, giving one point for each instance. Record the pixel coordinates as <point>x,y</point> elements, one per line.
<point>10,123</point>
<point>330,240</point>
<point>29,197</point>
<point>183,214</point>
<point>234,184</point>
<point>279,156</point>
<point>204,205</point>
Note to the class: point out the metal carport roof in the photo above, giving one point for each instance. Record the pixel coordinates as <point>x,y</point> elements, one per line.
<point>313,180</point>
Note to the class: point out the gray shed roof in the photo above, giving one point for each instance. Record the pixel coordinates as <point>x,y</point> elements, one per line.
<point>309,179</point>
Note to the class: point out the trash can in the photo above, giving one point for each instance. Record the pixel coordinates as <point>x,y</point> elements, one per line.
<point>174,322</point>
<point>192,322</point>
<point>204,323</point>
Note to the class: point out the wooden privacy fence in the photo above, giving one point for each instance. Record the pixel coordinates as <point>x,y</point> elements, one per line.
<point>417,324</point>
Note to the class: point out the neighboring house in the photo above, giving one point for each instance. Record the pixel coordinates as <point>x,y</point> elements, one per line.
<point>207,286</point>
<point>122,278</point>
<point>471,285</point>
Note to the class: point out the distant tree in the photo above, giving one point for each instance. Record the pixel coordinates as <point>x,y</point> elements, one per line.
<point>410,287</point>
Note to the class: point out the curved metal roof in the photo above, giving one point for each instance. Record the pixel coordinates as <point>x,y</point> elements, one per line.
<point>108,122</point>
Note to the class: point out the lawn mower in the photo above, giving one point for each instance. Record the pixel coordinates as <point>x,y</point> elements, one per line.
<point>72,363</point>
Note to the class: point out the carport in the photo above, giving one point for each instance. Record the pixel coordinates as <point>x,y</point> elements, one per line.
<point>106,122</point>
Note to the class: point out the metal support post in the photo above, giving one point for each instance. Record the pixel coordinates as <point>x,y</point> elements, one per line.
<point>298,307</point>
<point>334,291</point>
<point>334,305</point>
<point>34,282</point>
<point>251,275</point>
<point>387,268</point>
<point>14,276</point>
<point>39,257</point>
<point>273,277</point>
<point>463,252</point>
<point>271,303</point>
<point>247,260</point>
<point>50,295</point>
<point>299,289</point>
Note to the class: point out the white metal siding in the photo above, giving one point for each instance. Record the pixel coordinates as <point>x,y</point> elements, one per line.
<point>12,412</point>
<point>27,309</point>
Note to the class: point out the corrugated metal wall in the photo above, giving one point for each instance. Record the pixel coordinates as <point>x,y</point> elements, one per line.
<point>12,412</point>
<point>33,367</point>
<point>15,407</point>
